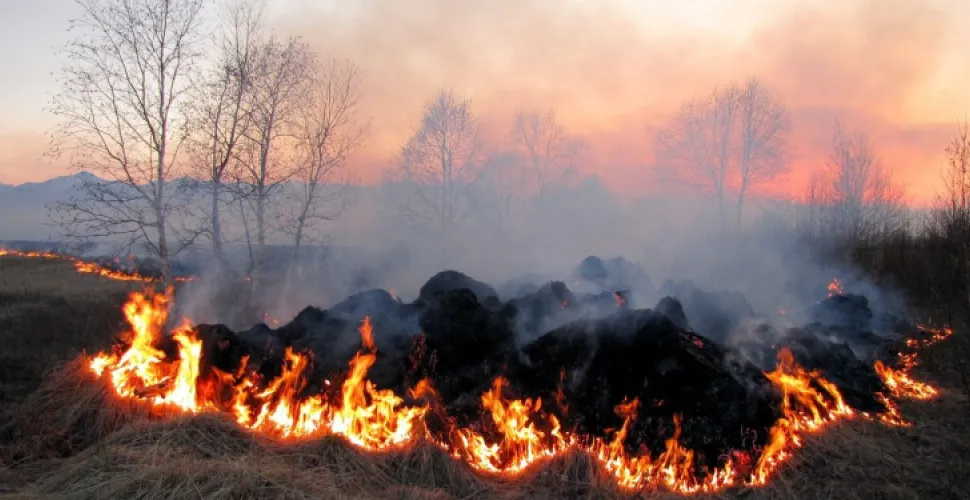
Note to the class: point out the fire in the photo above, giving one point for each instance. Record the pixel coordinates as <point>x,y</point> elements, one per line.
<point>86,267</point>
<point>809,400</point>
<point>515,434</point>
<point>371,418</point>
<point>902,385</point>
<point>835,287</point>
<point>17,253</point>
<point>898,380</point>
<point>367,417</point>
<point>92,268</point>
<point>521,444</point>
<point>673,468</point>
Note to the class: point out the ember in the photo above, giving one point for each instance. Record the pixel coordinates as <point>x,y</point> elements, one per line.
<point>835,287</point>
<point>502,386</point>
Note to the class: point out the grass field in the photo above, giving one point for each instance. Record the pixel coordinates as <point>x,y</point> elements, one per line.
<point>63,436</point>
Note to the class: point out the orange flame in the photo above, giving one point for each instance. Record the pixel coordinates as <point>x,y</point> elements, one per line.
<point>899,380</point>
<point>35,254</point>
<point>368,417</point>
<point>521,444</point>
<point>521,433</point>
<point>86,267</point>
<point>835,287</point>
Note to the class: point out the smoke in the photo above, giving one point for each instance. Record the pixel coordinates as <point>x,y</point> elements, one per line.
<point>743,288</point>
<point>615,70</point>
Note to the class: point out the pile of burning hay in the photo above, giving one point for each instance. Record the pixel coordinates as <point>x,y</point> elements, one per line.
<point>654,397</point>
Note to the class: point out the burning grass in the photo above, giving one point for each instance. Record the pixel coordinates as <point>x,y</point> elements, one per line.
<point>87,267</point>
<point>378,420</point>
<point>76,437</point>
<point>181,456</point>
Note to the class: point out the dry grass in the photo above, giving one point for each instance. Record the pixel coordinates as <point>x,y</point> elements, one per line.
<point>49,314</point>
<point>69,438</point>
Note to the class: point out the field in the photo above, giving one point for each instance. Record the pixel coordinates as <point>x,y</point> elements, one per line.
<point>62,436</point>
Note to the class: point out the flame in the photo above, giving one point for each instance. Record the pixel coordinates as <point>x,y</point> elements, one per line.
<point>35,254</point>
<point>902,384</point>
<point>521,444</point>
<point>371,418</point>
<point>835,287</point>
<point>899,380</point>
<point>514,435</point>
<point>86,267</point>
<point>92,268</point>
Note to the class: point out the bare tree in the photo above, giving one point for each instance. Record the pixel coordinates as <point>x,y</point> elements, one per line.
<point>502,183</point>
<point>694,150</point>
<point>763,127</point>
<point>732,138</point>
<point>281,73</point>
<point>224,106</point>
<point>123,118</point>
<point>956,174</point>
<point>549,151</point>
<point>951,216</point>
<point>328,131</point>
<point>438,164</point>
<point>854,196</point>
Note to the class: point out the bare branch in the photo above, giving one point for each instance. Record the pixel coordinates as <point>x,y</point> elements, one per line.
<point>122,118</point>
<point>266,152</point>
<point>854,196</point>
<point>328,131</point>
<point>223,106</point>
<point>438,164</point>
<point>550,152</point>
<point>732,139</point>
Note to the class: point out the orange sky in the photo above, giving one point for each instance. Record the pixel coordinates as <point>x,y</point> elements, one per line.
<point>615,69</point>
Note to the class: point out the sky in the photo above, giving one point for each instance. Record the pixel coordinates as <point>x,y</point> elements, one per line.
<point>613,70</point>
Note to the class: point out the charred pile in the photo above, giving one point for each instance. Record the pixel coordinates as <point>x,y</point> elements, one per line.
<point>717,314</point>
<point>597,365</point>
<point>699,380</point>
<point>582,354</point>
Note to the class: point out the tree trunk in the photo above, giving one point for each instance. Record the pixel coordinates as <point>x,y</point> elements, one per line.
<point>740,206</point>
<point>720,207</point>
<point>298,236</point>
<point>164,257</point>
<point>159,206</point>
<point>260,237</point>
<point>216,222</point>
<point>261,222</point>
<point>261,198</point>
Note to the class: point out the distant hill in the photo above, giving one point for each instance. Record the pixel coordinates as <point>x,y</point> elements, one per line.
<point>23,207</point>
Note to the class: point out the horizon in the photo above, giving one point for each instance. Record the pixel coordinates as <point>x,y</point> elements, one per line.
<point>613,72</point>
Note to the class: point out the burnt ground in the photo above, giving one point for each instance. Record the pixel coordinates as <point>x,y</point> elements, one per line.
<point>73,449</point>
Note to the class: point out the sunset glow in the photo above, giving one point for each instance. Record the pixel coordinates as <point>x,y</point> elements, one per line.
<point>612,70</point>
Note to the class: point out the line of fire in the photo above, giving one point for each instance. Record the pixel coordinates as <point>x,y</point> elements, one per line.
<point>503,385</point>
